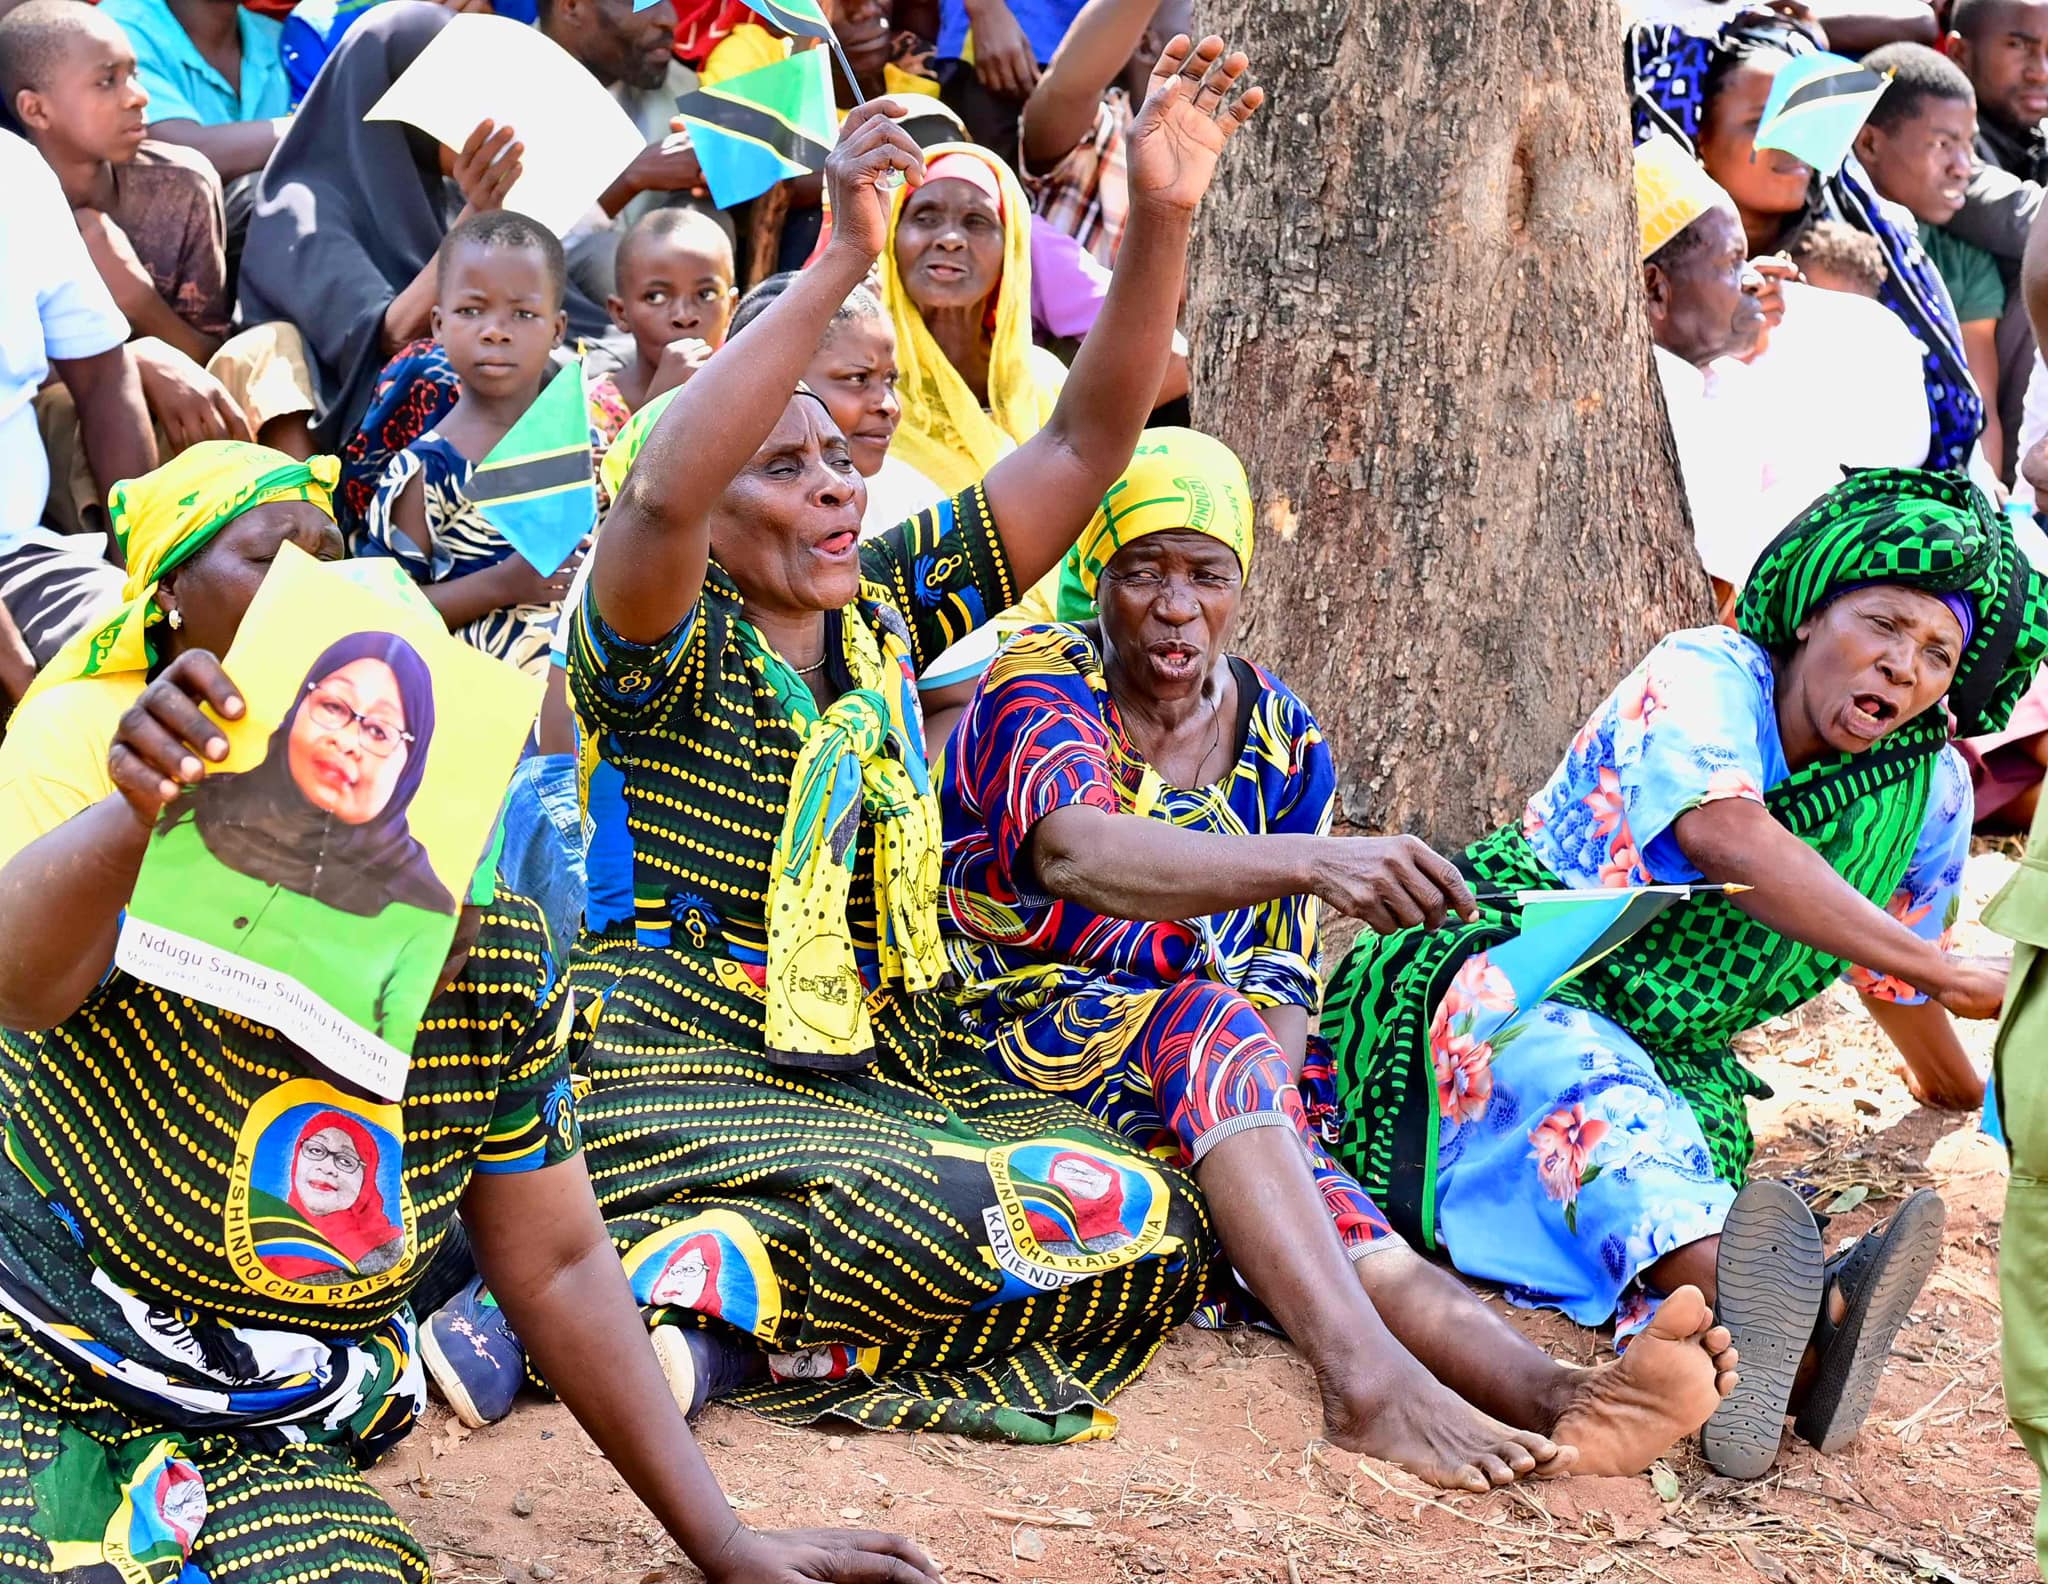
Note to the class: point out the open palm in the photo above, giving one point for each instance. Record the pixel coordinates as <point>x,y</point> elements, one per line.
<point>1192,108</point>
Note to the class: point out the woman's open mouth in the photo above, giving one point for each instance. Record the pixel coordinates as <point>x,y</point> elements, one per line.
<point>1870,715</point>
<point>944,270</point>
<point>1175,656</point>
<point>836,546</point>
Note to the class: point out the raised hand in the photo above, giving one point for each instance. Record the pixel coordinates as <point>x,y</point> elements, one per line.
<point>1193,107</point>
<point>859,170</point>
<point>486,166</point>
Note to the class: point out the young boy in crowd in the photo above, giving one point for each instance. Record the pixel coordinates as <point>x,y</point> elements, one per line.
<point>498,314</point>
<point>150,212</point>
<point>1916,145</point>
<point>675,298</point>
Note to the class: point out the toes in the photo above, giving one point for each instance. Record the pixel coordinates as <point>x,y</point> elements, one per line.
<point>1541,1448</point>
<point>1681,1315</point>
<point>1471,1477</point>
<point>1517,1457</point>
<point>1718,1341</point>
<point>1726,1383</point>
<point>1496,1471</point>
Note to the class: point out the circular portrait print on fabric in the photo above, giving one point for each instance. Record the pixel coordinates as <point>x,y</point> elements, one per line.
<point>318,1207</point>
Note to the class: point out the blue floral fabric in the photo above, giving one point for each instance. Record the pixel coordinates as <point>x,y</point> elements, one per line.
<point>1566,1166</point>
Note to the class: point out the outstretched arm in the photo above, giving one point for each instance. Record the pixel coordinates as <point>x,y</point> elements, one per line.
<point>1128,866</point>
<point>1061,109</point>
<point>1795,891</point>
<point>1044,492</point>
<point>657,537</point>
<point>542,1248</point>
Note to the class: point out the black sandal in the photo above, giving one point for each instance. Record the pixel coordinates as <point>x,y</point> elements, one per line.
<point>1879,1276</point>
<point>1770,1277</point>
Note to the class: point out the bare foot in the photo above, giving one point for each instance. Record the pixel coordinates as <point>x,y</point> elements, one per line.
<point>1426,1428</point>
<point>1625,1415</point>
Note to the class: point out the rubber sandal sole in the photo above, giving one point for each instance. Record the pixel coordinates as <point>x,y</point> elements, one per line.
<point>1846,1383</point>
<point>1769,1279</point>
<point>447,1382</point>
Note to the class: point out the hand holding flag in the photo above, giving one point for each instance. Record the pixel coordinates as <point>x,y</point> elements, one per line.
<point>873,153</point>
<point>763,127</point>
<point>538,486</point>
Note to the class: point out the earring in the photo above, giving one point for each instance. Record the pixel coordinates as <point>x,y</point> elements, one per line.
<point>176,619</point>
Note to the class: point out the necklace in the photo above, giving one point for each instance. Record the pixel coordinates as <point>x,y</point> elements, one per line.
<point>810,670</point>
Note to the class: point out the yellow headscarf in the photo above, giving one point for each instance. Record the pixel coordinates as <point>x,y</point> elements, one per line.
<point>1178,478</point>
<point>161,521</point>
<point>1672,190</point>
<point>944,433</point>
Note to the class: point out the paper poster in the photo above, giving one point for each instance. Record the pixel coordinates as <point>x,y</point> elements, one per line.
<point>312,881</point>
<point>482,67</point>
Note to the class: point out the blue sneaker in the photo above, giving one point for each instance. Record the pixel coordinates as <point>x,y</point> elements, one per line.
<point>700,1367</point>
<point>472,1357</point>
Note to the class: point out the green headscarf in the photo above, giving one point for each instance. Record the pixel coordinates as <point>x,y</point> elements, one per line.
<point>1920,530</point>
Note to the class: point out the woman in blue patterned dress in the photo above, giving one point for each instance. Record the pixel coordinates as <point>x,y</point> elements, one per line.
<point>1137,836</point>
<point>1583,1145</point>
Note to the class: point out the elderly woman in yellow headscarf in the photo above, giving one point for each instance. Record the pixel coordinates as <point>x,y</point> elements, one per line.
<point>1136,829</point>
<point>956,278</point>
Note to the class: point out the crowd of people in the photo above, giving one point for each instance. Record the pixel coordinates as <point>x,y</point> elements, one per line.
<point>894,994</point>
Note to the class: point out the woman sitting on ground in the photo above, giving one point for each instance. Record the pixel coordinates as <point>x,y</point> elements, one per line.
<point>829,1205</point>
<point>1137,833</point>
<point>1584,1151</point>
<point>187,1397</point>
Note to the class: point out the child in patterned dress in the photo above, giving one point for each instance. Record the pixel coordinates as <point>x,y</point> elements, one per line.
<point>499,317</point>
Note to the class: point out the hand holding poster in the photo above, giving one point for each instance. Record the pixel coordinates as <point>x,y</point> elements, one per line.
<point>312,881</point>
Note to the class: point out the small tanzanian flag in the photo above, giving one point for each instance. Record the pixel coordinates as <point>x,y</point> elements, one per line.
<point>798,18</point>
<point>538,486</point>
<point>753,131</point>
<point>1817,105</point>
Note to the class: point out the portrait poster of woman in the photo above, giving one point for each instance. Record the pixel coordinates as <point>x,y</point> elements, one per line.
<point>313,879</point>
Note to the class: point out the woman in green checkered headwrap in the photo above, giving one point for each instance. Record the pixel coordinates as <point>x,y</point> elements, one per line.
<point>1585,1151</point>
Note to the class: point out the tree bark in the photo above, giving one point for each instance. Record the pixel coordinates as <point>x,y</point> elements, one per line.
<point>1417,316</point>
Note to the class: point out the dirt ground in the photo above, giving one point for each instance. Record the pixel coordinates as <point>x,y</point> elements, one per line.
<point>1216,1473</point>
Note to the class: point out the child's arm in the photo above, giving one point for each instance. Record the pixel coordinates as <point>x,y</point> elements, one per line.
<point>234,148</point>
<point>135,294</point>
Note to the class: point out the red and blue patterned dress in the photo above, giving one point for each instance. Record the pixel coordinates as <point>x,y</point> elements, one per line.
<point>1155,1027</point>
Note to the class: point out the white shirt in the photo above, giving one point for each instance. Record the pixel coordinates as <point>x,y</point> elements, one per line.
<point>897,493</point>
<point>1717,461</point>
<point>1704,17</point>
<point>1838,385</point>
<point>53,305</point>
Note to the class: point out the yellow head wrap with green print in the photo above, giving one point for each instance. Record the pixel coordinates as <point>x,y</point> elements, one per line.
<point>1178,479</point>
<point>161,521</point>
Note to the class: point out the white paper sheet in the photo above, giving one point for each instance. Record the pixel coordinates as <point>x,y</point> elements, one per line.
<point>483,67</point>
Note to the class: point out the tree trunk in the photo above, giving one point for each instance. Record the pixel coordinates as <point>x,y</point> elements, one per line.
<point>1416,315</point>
